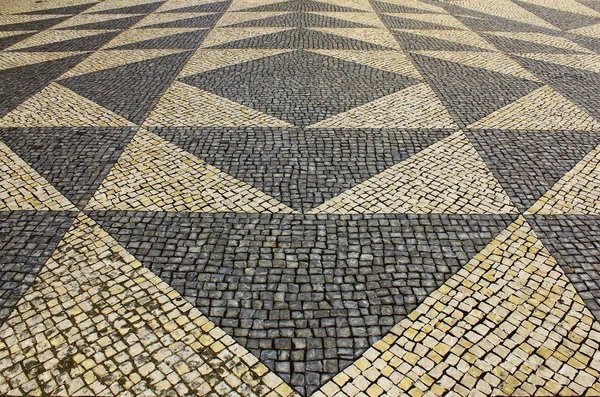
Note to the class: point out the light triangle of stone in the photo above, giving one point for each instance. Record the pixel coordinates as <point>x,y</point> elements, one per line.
<point>10,60</point>
<point>184,105</point>
<point>566,5</point>
<point>590,31</point>
<point>231,18</point>
<point>494,61</point>
<point>170,5</point>
<point>542,109</point>
<point>14,33</point>
<point>84,19</point>
<point>362,5</point>
<point>16,19</point>
<point>376,36</point>
<point>366,18</point>
<point>155,175</point>
<point>56,106</point>
<point>158,18</point>
<point>440,19</point>
<point>463,37</point>
<point>25,7</point>
<point>589,62</point>
<point>92,286</point>
<point>413,107</point>
<point>543,39</point>
<point>391,61</point>
<point>219,36</point>
<point>22,188</point>
<point>208,59</point>
<point>107,59</point>
<point>417,5</point>
<point>239,5</point>
<point>448,177</point>
<point>508,10</point>
<point>496,326</point>
<point>131,36</point>
<point>54,36</point>
<point>578,192</point>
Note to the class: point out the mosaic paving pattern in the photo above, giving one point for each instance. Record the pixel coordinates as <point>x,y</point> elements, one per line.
<point>299,198</point>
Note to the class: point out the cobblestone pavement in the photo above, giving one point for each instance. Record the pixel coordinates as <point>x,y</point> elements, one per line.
<point>299,198</point>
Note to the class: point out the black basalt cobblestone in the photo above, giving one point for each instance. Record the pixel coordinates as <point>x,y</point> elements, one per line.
<point>306,293</point>
<point>27,239</point>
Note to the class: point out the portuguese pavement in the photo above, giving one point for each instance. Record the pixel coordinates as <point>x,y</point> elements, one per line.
<point>299,198</point>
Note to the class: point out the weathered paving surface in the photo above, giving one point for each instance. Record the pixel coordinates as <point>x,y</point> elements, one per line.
<point>299,198</point>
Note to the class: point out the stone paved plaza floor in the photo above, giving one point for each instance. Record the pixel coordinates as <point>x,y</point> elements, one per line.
<point>299,198</point>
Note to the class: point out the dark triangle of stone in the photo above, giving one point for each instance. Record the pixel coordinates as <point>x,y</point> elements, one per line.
<point>479,25</point>
<point>6,42</point>
<point>34,25</point>
<point>416,42</point>
<point>397,8</point>
<point>113,24</point>
<point>396,22</point>
<point>27,240</point>
<point>211,7</point>
<point>511,45</point>
<point>573,242</point>
<point>580,86</point>
<point>458,11</point>
<point>203,21</point>
<point>471,93</point>
<point>19,83</point>
<point>301,19</point>
<point>302,5</point>
<point>87,43</point>
<point>74,160</point>
<point>295,80</point>
<point>301,168</point>
<point>69,10</point>
<point>591,43</point>
<point>132,90</point>
<point>179,41</point>
<point>480,21</point>
<point>302,38</point>
<point>292,290</point>
<point>137,9</point>
<point>528,163</point>
<point>561,19</point>
<point>593,4</point>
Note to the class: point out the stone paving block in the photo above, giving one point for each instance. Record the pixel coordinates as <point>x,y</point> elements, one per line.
<point>509,322</point>
<point>305,293</point>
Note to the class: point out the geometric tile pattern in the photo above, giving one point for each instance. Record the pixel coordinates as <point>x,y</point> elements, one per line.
<point>528,163</point>
<point>459,338</point>
<point>110,353</point>
<point>299,197</point>
<point>153,175</point>
<point>447,177</point>
<point>573,241</point>
<point>295,80</point>
<point>307,313</point>
<point>74,160</point>
<point>575,193</point>
<point>322,170</point>
<point>28,239</point>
